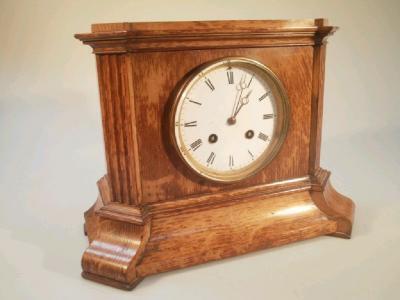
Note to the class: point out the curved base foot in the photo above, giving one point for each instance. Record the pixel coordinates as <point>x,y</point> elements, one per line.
<point>337,207</point>
<point>115,248</point>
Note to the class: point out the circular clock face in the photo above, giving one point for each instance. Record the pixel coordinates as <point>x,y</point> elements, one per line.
<point>229,119</point>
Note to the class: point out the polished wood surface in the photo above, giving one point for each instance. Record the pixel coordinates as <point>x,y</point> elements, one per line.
<point>205,27</point>
<point>168,36</point>
<point>153,214</point>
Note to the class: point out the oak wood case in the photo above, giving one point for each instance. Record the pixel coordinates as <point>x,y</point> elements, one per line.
<point>153,214</point>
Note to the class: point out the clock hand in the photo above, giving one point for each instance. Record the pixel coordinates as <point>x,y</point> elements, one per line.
<point>243,101</point>
<point>237,96</point>
<point>239,87</point>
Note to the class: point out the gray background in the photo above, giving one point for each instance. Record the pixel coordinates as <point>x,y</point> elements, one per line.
<point>51,154</point>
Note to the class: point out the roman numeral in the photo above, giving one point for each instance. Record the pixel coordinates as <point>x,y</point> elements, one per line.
<point>264,96</point>
<point>195,102</point>
<point>263,136</point>
<point>209,84</point>
<point>210,159</point>
<point>229,74</point>
<point>268,116</point>
<point>191,124</point>
<point>196,144</point>
<point>251,79</point>
<point>251,154</point>
<point>231,162</point>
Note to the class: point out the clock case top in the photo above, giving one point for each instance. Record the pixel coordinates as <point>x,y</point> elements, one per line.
<point>140,67</point>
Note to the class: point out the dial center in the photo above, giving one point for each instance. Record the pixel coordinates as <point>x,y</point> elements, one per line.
<point>231,121</point>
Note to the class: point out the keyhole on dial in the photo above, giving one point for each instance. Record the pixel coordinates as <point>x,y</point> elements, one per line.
<point>249,134</point>
<point>213,138</point>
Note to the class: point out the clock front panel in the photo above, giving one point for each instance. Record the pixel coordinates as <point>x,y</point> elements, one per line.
<point>236,144</point>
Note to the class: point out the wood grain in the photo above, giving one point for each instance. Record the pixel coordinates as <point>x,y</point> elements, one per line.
<point>163,175</point>
<point>153,214</point>
<point>118,115</point>
<point>115,249</point>
<point>183,235</point>
<point>317,106</point>
<point>208,27</point>
<point>172,36</point>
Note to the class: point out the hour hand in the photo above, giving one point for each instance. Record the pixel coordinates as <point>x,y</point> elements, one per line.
<point>242,101</point>
<point>245,99</point>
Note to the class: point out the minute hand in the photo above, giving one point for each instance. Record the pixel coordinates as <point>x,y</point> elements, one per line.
<point>239,87</point>
<point>242,101</point>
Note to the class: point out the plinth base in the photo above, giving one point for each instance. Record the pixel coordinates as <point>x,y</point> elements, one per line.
<point>128,243</point>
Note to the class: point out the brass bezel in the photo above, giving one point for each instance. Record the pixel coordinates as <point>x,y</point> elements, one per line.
<point>282,109</point>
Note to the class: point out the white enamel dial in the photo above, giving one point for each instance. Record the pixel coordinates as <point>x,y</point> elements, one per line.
<point>229,119</point>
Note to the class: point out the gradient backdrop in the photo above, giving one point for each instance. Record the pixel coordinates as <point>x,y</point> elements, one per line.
<point>51,154</point>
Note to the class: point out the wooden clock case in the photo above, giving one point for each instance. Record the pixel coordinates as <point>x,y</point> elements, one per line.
<point>153,214</point>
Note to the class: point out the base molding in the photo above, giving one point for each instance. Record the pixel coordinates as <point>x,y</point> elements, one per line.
<point>123,249</point>
<point>115,249</point>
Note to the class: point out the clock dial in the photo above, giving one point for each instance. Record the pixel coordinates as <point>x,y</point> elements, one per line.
<point>230,118</point>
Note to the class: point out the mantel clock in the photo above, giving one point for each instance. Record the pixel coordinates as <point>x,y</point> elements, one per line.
<point>212,133</point>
